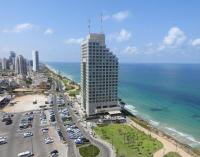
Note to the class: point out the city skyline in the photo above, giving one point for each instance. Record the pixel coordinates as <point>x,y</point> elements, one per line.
<point>135,32</point>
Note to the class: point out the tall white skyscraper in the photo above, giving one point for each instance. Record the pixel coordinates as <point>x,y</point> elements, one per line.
<point>35,57</point>
<point>20,65</point>
<point>99,76</point>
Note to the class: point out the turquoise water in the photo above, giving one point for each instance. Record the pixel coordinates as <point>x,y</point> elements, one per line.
<point>166,95</point>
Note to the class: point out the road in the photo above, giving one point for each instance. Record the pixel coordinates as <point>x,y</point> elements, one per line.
<point>72,152</point>
<point>105,151</point>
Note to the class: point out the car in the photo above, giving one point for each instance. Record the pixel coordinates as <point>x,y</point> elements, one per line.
<point>28,134</point>
<point>48,140</point>
<point>8,122</point>
<point>78,141</point>
<point>44,130</point>
<point>25,154</point>
<point>54,153</point>
<point>3,141</point>
<point>3,137</point>
<point>6,118</point>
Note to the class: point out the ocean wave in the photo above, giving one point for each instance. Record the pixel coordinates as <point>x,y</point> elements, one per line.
<point>183,136</point>
<point>131,109</point>
<point>154,123</point>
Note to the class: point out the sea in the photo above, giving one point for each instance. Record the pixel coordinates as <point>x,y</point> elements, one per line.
<point>165,95</point>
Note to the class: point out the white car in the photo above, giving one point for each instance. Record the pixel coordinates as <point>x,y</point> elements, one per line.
<point>28,134</point>
<point>48,140</point>
<point>25,154</point>
<point>3,137</point>
<point>44,130</point>
<point>3,141</point>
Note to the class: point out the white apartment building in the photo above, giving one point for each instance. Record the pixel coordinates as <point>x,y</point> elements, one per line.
<point>99,76</point>
<point>35,57</point>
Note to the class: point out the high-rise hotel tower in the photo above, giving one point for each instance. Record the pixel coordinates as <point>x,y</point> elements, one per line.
<point>35,57</point>
<point>99,76</point>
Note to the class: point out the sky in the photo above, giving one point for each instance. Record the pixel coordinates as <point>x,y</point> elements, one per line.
<point>142,31</point>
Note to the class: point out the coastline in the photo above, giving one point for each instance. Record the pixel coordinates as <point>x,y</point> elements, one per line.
<point>144,123</point>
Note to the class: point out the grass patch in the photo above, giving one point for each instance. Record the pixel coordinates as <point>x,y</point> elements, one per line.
<point>89,151</point>
<point>74,92</point>
<point>128,141</point>
<point>172,154</point>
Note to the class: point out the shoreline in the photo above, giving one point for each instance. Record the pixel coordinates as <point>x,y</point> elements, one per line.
<point>167,129</point>
<point>144,123</point>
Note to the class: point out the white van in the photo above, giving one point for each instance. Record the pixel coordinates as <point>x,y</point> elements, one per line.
<point>25,154</point>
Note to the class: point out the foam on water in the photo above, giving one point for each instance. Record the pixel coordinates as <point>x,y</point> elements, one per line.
<point>186,138</point>
<point>182,136</point>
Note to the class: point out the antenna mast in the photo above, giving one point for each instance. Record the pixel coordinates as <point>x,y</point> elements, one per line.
<point>89,25</point>
<point>101,23</point>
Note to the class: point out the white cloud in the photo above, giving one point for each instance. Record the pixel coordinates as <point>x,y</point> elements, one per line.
<point>48,31</point>
<point>121,36</point>
<point>120,16</point>
<point>175,37</point>
<point>74,41</point>
<point>196,42</point>
<point>105,17</point>
<point>19,28</point>
<point>130,50</point>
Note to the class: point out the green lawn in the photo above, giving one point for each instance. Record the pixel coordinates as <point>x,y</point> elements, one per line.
<point>172,154</point>
<point>89,151</point>
<point>128,141</point>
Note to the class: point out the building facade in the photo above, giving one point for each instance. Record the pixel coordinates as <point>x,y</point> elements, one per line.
<point>99,76</point>
<point>5,64</point>
<point>12,60</point>
<point>20,65</point>
<point>35,57</point>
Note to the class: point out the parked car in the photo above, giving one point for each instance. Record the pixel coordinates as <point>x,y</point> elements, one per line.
<point>44,130</point>
<point>3,141</point>
<point>25,154</point>
<point>28,134</point>
<point>54,153</point>
<point>8,122</point>
<point>48,140</point>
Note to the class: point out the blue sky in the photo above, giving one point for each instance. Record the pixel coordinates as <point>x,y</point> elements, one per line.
<point>136,31</point>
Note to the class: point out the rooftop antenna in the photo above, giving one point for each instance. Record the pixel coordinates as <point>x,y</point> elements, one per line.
<point>89,25</point>
<point>101,23</point>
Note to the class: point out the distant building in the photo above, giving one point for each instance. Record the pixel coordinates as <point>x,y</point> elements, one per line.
<point>99,76</point>
<point>35,57</point>
<point>4,63</point>
<point>20,65</point>
<point>12,60</point>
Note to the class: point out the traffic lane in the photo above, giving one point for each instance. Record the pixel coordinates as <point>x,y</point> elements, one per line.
<point>104,150</point>
<point>71,145</point>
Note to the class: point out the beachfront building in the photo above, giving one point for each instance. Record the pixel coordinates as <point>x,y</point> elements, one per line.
<point>20,65</point>
<point>99,76</point>
<point>35,57</point>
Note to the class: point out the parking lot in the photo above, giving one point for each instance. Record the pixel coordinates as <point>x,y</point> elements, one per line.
<point>25,134</point>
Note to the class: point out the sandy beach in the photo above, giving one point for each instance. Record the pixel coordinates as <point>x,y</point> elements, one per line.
<point>25,103</point>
